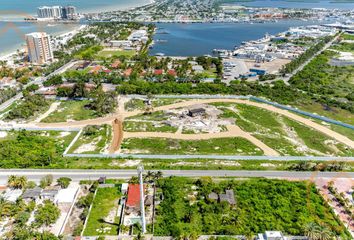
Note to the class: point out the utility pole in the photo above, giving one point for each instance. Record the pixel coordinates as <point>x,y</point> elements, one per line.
<point>142,205</point>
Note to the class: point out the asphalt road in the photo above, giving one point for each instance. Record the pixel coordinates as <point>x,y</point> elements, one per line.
<point>77,175</point>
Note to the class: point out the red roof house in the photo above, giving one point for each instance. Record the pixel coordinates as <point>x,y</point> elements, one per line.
<point>133,199</point>
<point>158,71</point>
<point>172,72</point>
<point>128,72</point>
<point>116,64</point>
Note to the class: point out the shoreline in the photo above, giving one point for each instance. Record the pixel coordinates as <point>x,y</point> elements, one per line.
<point>63,34</point>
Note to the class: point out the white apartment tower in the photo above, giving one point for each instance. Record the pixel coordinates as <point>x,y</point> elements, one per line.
<point>39,47</point>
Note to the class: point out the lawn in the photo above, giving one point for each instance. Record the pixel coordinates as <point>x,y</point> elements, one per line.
<point>133,126</point>
<point>69,111</point>
<point>93,139</point>
<point>222,146</point>
<point>115,53</point>
<point>284,135</point>
<point>261,205</point>
<point>104,210</point>
<point>348,37</point>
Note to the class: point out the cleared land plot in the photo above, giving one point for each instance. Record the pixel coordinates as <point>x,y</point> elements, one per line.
<point>107,53</point>
<point>154,116</point>
<point>135,126</point>
<point>284,135</point>
<point>330,112</point>
<point>221,146</point>
<point>261,204</point>
<point>70,111</point>
<point>94,139</point>
<point>138,104</point>
<point>103,218</point>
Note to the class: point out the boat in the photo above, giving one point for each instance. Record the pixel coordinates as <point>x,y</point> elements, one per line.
<point>159,54</point>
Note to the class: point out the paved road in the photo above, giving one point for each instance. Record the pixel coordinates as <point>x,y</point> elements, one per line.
<point>37,81</point>
<point>76,175</point>
<point>302,66</point>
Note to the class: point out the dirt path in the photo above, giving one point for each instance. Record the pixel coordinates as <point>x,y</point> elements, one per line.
<point>117,127</point>
<point>233,131</point>
<point>121,114</point>
<point>51,109</point>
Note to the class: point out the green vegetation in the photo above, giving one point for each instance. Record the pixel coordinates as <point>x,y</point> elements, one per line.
<point>138,104</point>
<point>223,146</point>
<point>71,110</point>
<point>89,53</point>
<point>53,81</point>
<point>153,116</point>
<point>348,36</point>
<point>103,212</point>
<point>261,204</point>
<point>94,139</point>
<point>294,64</point>
<point>284,135</point>
<point>28,107</point>
<point>116,53</point>
<point>329,85</point>
<point>344,47</point>
<point>31,149</point>
<point>134,126</point>
<point>46,214</point>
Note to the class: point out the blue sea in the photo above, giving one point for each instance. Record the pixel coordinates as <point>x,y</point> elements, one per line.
<point>184,39</point>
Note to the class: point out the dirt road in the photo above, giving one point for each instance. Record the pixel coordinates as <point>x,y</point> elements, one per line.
<point>121,114</point>
<point>117,127</point>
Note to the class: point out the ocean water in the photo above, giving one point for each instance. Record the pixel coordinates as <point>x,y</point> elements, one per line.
<point>22,8</point>
<point>329,4</point>
<point>12,34</point>
<point>201,38</point>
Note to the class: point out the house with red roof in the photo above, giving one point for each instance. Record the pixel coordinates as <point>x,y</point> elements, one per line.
<point>158,72</point>
<point>116,64</point>
<point>128,72</point>
<point>133,198</point>
<point>172,72</point>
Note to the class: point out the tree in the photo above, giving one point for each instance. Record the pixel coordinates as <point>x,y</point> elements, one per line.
<point>64,182</point>
<point>17,182</point>
<point>5,207</point>
<point>313,231</point>
<point>46,214</point>
<point>46,181</point>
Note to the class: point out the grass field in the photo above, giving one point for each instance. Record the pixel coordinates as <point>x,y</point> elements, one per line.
<point>261,204</point>
<point>69,111</point>
<point>280,133</point>
<point>95,140</point>
<point>133,126</point>
<point>105,204</point>
<point>138,104</point>
<point>222,146</point>
<point>333,113</point>
<point>154,116</point>
<point>115,53</point>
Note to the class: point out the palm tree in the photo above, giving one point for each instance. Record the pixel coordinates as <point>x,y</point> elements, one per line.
<point>326,234</point>
<point>313,231</point>
<point>17,182</point>
<point>5,207</point>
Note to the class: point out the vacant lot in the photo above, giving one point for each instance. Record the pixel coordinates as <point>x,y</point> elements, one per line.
<point>284,135</point>
<point>261,205</point>
<point>134,126</point>
<point>138,104</point>
<point>222,146</point>
<point>107,53</point>
<point>70,111</point>
<point>103,218</point>
<point>94,139</point>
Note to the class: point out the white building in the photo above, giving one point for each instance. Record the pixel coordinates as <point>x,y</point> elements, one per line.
<point>39,47</point>
<point>57,12</point>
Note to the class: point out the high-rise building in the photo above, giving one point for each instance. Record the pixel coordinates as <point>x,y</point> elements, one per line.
<point>45,12</point>
<point>57,12</point>
<point>69,12</point>
<point>39,47</point>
